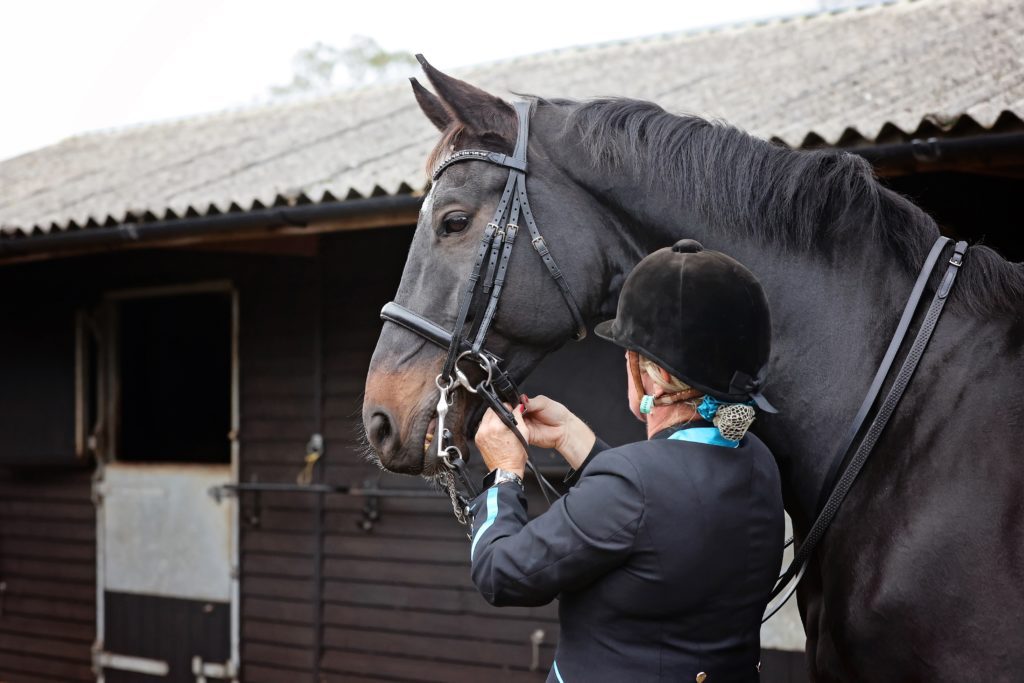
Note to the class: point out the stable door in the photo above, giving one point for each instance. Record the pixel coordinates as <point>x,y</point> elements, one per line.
<point>165,433</point>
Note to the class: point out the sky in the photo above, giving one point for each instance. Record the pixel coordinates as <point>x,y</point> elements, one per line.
<point>73,66</point>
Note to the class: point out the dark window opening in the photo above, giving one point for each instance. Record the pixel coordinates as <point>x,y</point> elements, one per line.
<point>980,208</point>
<point>175,379</point>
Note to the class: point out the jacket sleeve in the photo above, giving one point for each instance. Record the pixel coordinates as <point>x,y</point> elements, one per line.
<point>587,532</point>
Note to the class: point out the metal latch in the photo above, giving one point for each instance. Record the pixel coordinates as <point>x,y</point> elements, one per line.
<point>536,639</point>
<point>314,451</point>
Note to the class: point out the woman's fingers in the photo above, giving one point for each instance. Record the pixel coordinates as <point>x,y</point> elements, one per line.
<point>497,444</point>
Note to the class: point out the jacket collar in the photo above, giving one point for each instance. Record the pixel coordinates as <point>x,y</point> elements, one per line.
<point>669,431</point>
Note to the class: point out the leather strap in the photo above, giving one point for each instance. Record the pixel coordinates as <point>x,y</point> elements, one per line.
<point>504,386</point>
<point>883,369</point>
<point>550,492</point>
<point>496,158</point>
<point>516,187</point>
<point>466,300</point>
<point>537,240</point>
<point>664,399</point>
<point>885,411</point>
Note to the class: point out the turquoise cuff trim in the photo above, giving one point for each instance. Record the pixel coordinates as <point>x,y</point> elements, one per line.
<point>708,435</point>
<point>557,675</point>
<point>492,514</point>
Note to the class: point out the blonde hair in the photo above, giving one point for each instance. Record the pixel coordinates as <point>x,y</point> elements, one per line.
<point>672,385</point>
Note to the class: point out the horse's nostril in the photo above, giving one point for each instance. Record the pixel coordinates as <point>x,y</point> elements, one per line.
<point>381,433</point>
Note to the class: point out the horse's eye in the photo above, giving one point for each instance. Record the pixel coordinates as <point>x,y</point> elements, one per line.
<point>454,222</point>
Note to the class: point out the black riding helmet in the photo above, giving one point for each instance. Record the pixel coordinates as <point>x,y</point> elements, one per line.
<point>702,316</point>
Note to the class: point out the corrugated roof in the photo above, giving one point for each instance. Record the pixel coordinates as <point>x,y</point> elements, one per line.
<point>838,77</point>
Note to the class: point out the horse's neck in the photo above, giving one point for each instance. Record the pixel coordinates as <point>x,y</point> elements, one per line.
<point>831,317</point>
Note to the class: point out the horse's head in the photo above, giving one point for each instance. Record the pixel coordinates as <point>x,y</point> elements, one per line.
<point>532,318</point>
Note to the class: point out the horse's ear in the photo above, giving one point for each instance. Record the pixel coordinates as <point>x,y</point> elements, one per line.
<point>431,106</point>
<point>479,111</point>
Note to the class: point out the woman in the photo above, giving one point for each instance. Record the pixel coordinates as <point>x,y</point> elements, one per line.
<point>663,552</point>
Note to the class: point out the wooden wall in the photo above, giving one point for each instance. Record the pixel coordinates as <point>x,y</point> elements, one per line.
<point>397,602</point>
<point>393,602</point>
<point>47,520</point>
<point>48,568</point>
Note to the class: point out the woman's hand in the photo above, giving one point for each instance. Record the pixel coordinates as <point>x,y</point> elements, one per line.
<point>552,425</point>
<point>499,446</point>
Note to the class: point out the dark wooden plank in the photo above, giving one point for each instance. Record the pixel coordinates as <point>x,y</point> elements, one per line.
<point>270,564</point>
<point>461,650</point>
<point>50,529</point>
<point>306,501</point>
<point>42,569</point>
<point>39,608</point>
<point>407,573</point>
<point>253,672</point>
<point>296,658</point>
<point>496,626</point>
<point>277,610</point>
<point>280,428</point>
<point>18,663</point>
<point>46,549</point>
<point>290,387</point>
<point>441,525</point>
<point>377,547</point>
<point>451,600</point>
<point>81,632</point>
<point>272,409</point>
<point>278,587</point>
<point>71,591</point>
<point>31,508</point>
<point>295,635</point>
<point>47,485</point>
<point>257,540</point>
<point>34,645</point>
<point>416,669</point>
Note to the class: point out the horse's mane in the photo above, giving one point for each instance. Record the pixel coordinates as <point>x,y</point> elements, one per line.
<point>808,199</point>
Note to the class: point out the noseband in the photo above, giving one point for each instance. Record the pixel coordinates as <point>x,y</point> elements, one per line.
<point>477,306</point>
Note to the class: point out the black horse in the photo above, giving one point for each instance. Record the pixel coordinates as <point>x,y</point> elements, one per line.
<point>921,577</point>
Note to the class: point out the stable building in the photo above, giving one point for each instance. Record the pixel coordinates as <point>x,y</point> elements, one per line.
<point>189,309</point>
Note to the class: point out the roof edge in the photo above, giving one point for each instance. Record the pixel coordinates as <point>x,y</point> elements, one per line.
<point>272,220</point>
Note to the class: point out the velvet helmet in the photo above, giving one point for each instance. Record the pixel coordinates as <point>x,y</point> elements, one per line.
<point>700,315</point>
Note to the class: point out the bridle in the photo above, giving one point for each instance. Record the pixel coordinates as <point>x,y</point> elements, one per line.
<point>477,306</point>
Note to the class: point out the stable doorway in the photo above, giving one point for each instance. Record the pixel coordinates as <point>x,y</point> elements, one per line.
<point>165,433</point>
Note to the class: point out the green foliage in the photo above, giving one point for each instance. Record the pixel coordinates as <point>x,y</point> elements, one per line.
<point>322,67</point>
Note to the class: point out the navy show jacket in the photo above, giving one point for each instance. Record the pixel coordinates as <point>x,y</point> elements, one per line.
<point>662,553</point>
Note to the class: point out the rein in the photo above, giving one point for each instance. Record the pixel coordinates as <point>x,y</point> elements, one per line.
<point>834,491</point>
<point>477,306</point>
